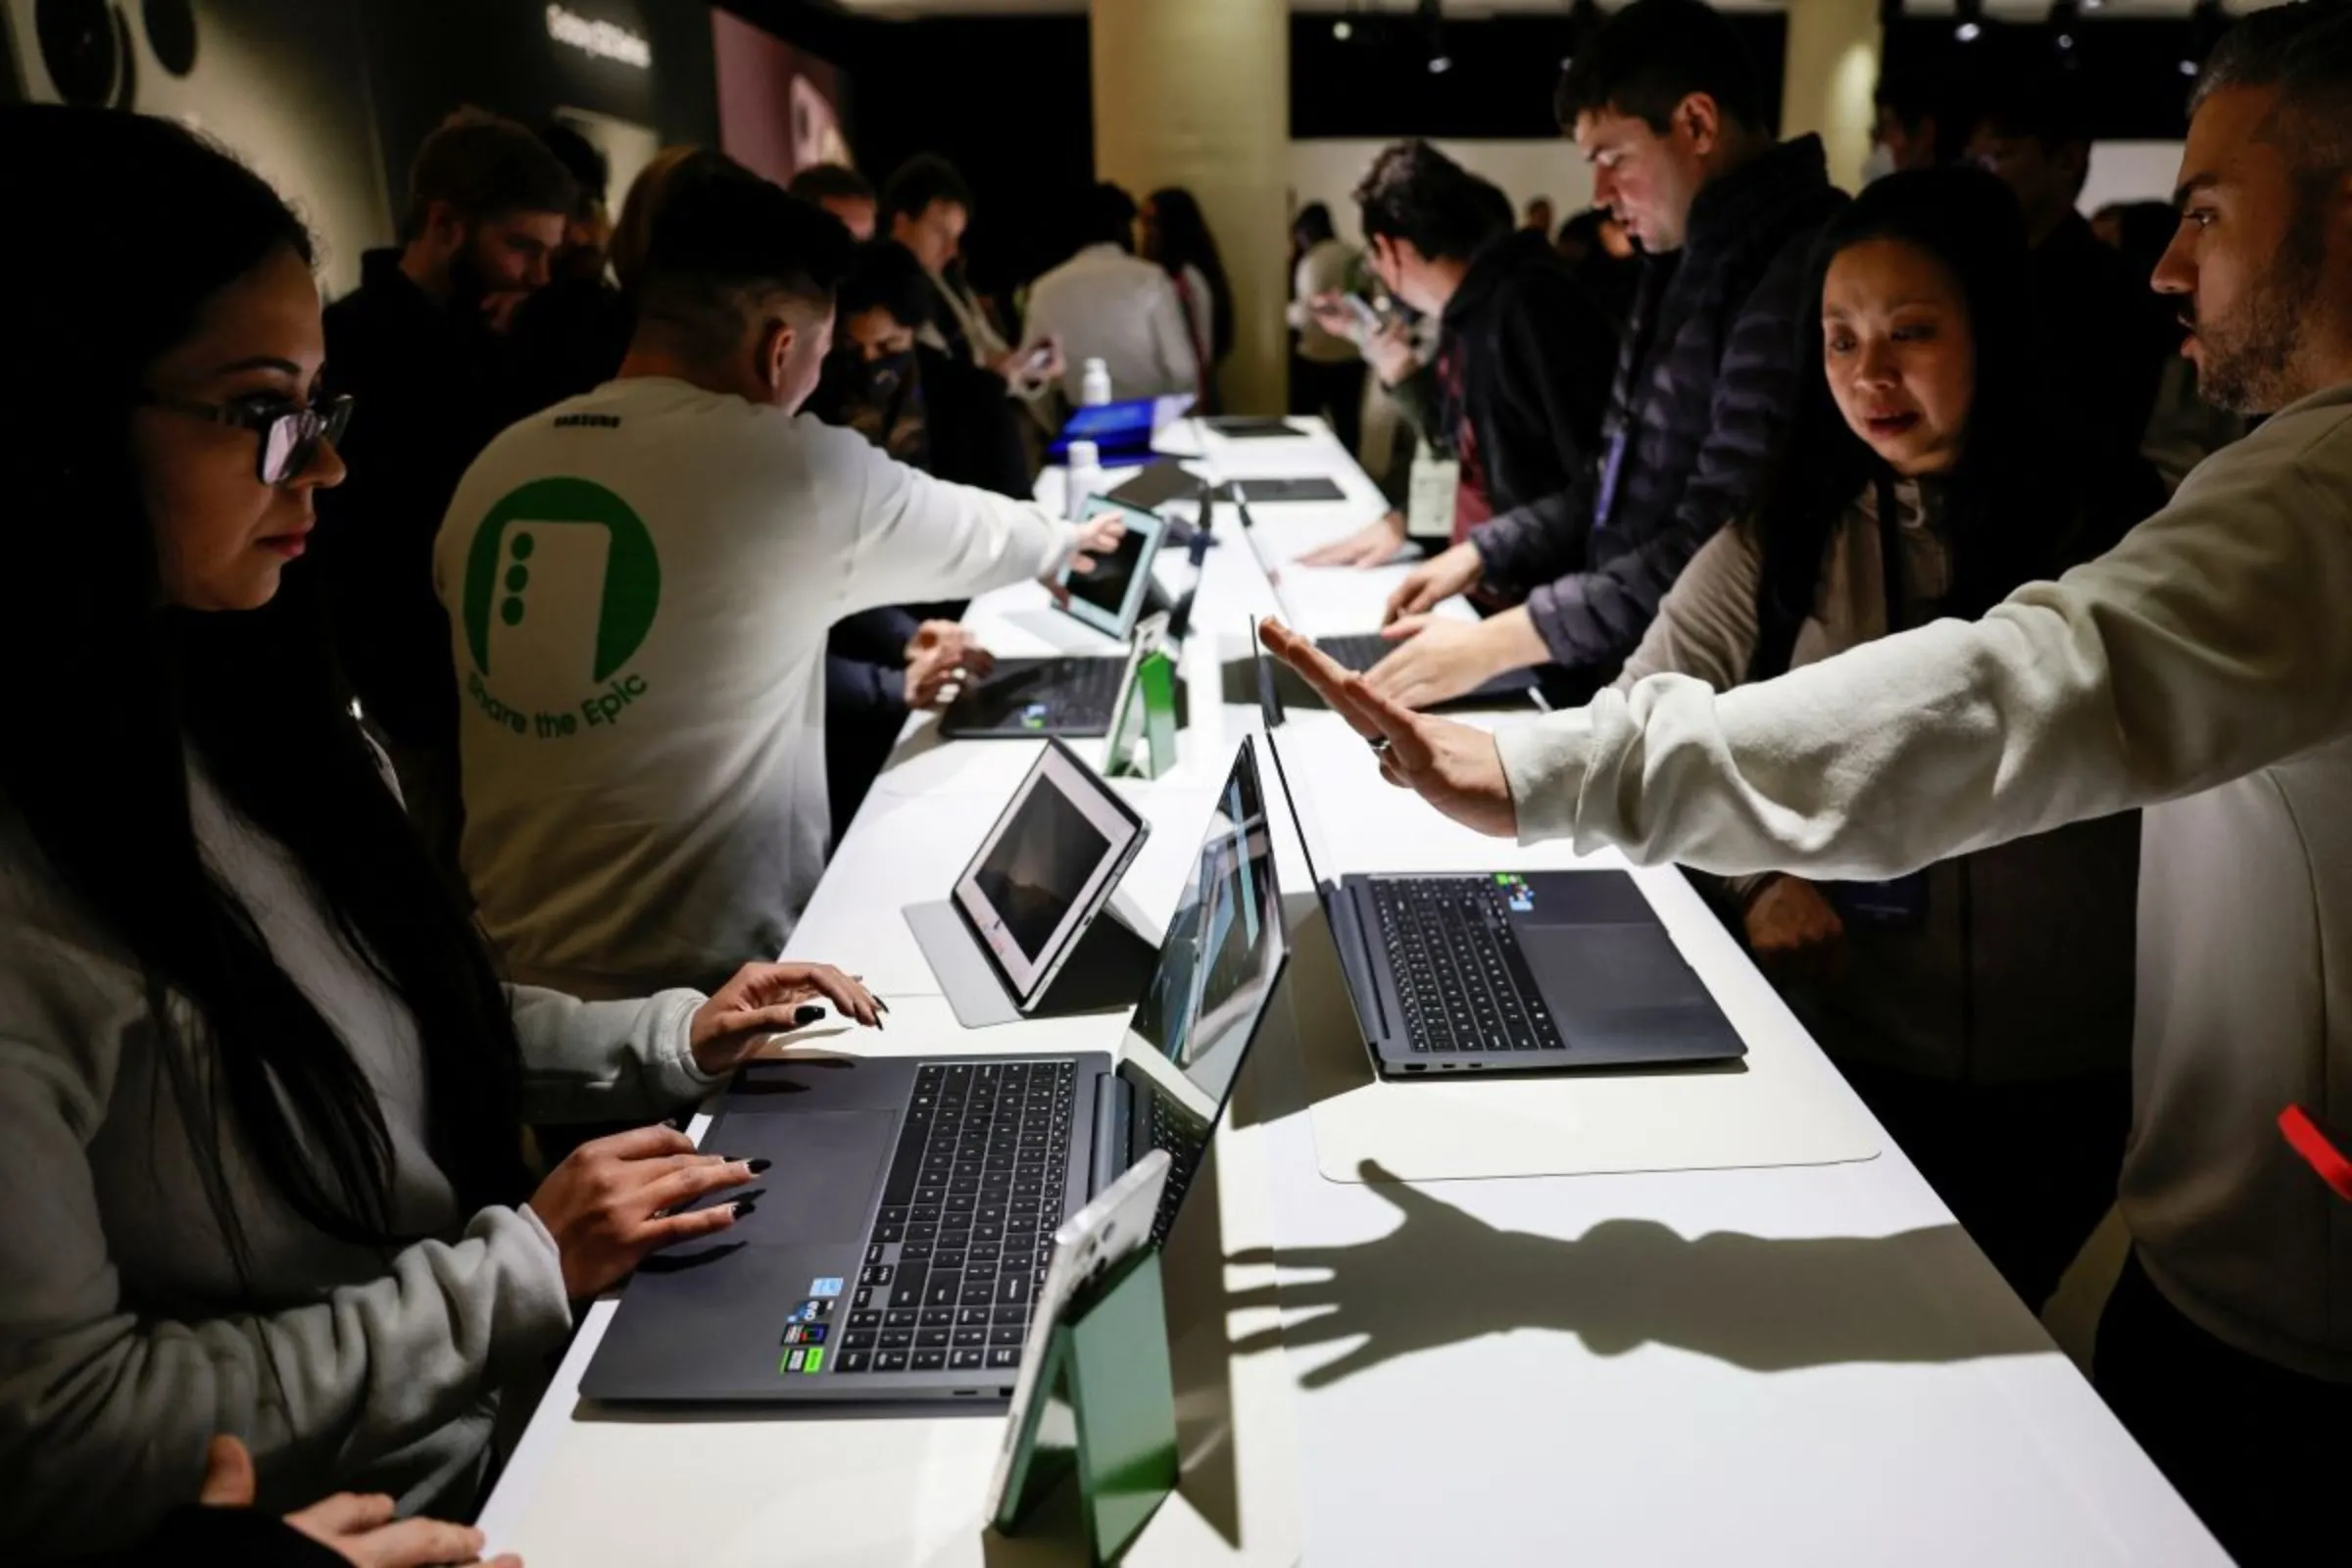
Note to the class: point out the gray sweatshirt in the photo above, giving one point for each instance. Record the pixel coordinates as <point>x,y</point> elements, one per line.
<point>2202,669</point>
<point>126,1339</point>
<point>2019,967</point>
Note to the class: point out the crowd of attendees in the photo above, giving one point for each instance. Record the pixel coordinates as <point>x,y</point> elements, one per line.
<point>339,887</point>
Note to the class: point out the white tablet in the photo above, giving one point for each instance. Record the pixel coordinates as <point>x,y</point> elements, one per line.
<point>1111,596</point>
<point>1046,869</point>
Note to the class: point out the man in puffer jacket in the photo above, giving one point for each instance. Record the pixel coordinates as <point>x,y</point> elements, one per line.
<point>1665,105</point>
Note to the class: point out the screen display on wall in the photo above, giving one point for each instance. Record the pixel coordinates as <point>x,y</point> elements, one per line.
<point>282,83</point>
<point>780,109</point>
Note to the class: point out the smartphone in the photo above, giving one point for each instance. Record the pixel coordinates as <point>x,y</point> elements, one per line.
<point>1105,1232</point>
<point>1037,358</point>
<point>1367,320</point>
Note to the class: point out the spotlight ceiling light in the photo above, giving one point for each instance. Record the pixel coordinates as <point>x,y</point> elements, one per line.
<point>1439,64</point>
<point>1343,29</point>
<point>1970,24</point>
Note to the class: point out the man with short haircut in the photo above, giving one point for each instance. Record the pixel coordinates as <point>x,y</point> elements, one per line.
<point>1105,303</point>
<point>1524,356</point>
<point>842,191</point>
<point>1667,108</point>
<point>640,581</point>
<point>2104,342</point>
<point>419,344</point>
<point>2201,670</point>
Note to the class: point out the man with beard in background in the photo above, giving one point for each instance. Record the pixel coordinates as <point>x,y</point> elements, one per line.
<point>421,345</point>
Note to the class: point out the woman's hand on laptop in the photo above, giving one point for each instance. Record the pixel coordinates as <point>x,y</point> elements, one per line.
<point>1439,660</point>
<point>1453,767</point>
<point>767,999</point>
<point>610,1204</point>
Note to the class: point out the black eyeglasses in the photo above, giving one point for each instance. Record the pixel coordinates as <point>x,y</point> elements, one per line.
<point>290,433</point>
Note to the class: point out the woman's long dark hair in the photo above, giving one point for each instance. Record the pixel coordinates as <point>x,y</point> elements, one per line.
<point>2006,506</point>
<point>139,226</point>
<point>1185,240</point>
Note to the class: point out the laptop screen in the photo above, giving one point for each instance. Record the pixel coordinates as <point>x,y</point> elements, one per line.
<point>1223,951</point>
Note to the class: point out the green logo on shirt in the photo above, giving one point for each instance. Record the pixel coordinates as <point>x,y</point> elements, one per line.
<point>561,585</point>
<point>582,524</point>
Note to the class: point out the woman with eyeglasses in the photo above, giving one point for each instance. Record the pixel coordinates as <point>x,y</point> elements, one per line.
<point>260,1094</point>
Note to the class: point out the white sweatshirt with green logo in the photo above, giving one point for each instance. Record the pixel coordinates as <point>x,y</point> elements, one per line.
<point>639,584</point>
<point>2202,669</point>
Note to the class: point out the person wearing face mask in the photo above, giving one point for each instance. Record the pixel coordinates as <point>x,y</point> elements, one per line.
<point>1665,105</point>
<point>639,582</point>
<point>1983,1006</point>
<point>261,1092</point>
<point>422,340</point>
<point>933,412</point>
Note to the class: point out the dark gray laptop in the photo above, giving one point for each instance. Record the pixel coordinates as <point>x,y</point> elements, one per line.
<point>1504,972</point>
<point>910,1209</point>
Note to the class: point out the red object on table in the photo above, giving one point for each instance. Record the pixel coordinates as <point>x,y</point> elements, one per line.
<point>2318,1152</point>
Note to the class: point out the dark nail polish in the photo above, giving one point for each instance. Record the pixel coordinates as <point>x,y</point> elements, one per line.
<point>756,1166</point>
<point>746,1210</point>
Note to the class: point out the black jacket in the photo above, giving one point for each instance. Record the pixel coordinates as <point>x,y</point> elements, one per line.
<point>1536,354</point>
<point>2106,338</point>
<point>432,386</point>
<point>1703,390</point>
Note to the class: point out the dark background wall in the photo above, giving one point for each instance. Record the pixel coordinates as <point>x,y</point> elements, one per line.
<point>429,57</point>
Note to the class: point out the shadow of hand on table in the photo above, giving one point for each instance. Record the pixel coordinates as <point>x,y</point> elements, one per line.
<point>1444,1277</point>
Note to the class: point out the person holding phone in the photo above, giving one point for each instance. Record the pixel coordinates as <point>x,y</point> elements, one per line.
<point>1524,355</point>
<point>262,1091</point>
<point>640,583</point>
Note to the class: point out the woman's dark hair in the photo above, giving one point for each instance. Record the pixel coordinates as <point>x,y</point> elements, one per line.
<point>131,695</point>
<point>2006,505</point>
<point>1185,241</point>
<point>886,275</point>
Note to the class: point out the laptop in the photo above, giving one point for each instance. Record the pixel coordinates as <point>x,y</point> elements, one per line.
<point>1358,652</point>
<point>1070,695</point>
<point>1503,971</point>
<point>910,1209</point>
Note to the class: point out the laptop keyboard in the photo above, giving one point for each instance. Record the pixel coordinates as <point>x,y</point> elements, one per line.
<point>1462,982</point>
<point>974,1194</point>
<point>1358,652</point>
<point>1183,1136</point>
<point>1064,692</point>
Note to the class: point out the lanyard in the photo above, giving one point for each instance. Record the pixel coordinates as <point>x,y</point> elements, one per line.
<point>1891,555</point>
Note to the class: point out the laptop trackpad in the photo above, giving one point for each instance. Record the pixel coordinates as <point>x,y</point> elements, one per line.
<point>1591,972</point>
<point>828,1166</point>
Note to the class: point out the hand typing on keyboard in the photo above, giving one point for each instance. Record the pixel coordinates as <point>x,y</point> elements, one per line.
<point>767,999</point>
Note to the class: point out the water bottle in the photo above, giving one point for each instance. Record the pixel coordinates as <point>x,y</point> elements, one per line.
<point>1083,480</point>
<point>1094,388</point>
